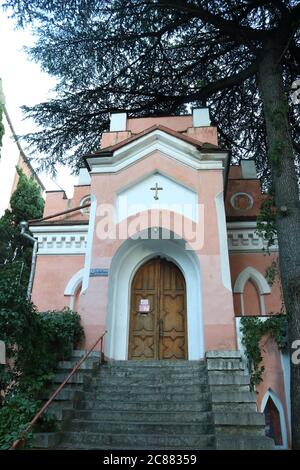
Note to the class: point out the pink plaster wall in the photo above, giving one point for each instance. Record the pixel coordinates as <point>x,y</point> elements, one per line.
<point>51,278</point>
<point>272,376</point>
<point>176,123</point>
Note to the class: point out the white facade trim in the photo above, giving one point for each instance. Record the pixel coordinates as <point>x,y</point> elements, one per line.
<point>89,244</point>
<point>130,256</point>
<point>60,240</point>
<point>224,257</point>
<point>243,237</point>
<point>271,394</point>
<point>158,140</point>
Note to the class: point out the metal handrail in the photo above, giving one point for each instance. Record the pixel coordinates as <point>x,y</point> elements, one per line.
<point>20,443</point>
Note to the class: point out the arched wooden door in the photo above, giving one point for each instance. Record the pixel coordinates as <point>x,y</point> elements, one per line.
<point>158,312</point>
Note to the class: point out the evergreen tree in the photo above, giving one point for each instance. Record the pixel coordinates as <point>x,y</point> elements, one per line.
<point>241,57</point>
<point>15,250</point>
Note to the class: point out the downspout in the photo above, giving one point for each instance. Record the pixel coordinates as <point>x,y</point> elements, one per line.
<point>24,226</point>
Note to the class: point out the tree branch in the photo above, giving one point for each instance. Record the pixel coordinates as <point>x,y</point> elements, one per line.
<point>242,34</point>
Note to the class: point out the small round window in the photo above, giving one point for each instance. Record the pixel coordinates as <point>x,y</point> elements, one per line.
<point>83,202</point>
<point>242,201</point>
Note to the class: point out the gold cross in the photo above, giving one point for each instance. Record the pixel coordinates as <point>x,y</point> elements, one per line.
<point>156,189</point>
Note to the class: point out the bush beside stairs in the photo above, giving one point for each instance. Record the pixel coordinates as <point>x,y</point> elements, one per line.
<point>156,405</point>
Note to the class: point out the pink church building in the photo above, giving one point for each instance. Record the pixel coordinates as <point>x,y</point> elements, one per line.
<point>167,258</point>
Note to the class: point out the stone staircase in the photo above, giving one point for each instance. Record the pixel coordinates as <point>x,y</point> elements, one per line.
<point>238,425</point>
<point>144,405</point>
<point>158,405</point>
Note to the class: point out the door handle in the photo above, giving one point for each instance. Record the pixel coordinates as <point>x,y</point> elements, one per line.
<point>161,327</point>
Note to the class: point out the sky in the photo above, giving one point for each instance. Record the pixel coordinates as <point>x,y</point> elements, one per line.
<point>25,84</point>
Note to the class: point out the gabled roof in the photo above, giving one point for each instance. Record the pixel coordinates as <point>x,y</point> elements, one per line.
<point>190,140</point>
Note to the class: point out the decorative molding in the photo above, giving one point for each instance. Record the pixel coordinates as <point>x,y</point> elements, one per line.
<point>72,239</point>
<point>221,219</point>
<point>263,288</point>
<point>172,147</point>
<point>252,274</point>
<point>61,240</point>
<point>243,237</point>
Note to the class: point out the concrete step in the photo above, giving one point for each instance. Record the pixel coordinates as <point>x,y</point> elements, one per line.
<point>149,374</point>
<point>148,397</point>
<point>144,416</point>
<point>153,379</point>
<point>239,419</point>
<point>132,427</point>
<point>228,378</point>
<point>233,397</point>
<point>243,442</point>
<point>224,354</point>
<point>230,388</point>
<point>77,440</point>
<point>149,389</point>
<point>88,364</point>
<point>160,406</point>
<point>79,353</point>
<point>77,378</point>
<point>156,367</point>
<point>66,394</point>
<point>156,363</point>
<point>46,440</point>
<point>238,407</point>
<point>244,430</point>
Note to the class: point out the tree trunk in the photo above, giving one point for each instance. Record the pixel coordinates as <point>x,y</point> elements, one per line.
<point>286,193</point>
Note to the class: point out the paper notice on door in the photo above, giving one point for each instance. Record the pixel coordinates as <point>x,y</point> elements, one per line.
<point>144,306</point>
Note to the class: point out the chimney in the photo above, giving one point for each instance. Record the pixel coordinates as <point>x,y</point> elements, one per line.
<point>118,122</point>
<point>248,169</point>
<point>201,117</point>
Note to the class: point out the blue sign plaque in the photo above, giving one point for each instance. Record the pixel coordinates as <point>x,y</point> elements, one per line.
<point>99,272</point>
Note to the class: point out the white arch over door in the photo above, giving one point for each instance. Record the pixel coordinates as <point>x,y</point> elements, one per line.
<point>130,256</point>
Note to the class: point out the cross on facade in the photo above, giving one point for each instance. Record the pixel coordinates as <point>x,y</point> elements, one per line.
<point>156,189</point>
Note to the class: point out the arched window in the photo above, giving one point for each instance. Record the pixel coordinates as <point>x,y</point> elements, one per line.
<point>275,426</point>
<point>252,286</point>
<point>272,418</point>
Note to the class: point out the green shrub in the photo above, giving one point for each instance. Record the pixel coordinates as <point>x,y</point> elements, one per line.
<point>35,343</point>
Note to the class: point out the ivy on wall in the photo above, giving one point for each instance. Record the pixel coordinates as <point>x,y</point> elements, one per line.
<point>266,221</point>
<point>253,329</point>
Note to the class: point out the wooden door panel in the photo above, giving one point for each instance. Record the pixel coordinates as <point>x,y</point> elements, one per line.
<point>161,333</point>
<point>173,347</point>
